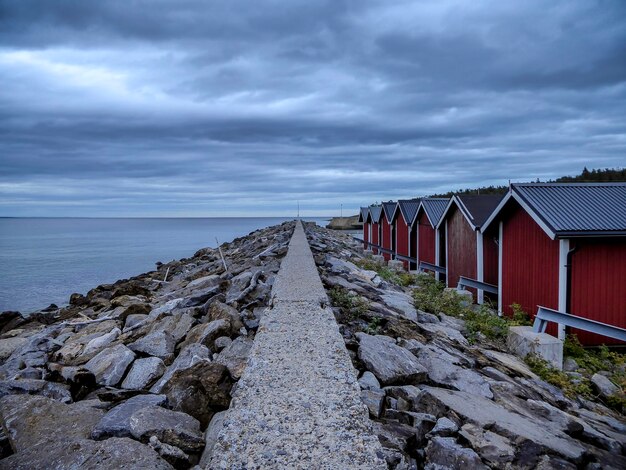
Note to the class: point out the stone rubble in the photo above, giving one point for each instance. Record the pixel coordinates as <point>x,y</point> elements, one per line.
<point>473,406</point>
<point>131,374</point>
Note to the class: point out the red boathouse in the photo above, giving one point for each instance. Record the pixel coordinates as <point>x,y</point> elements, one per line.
<point>465,251</point>
<point>403,219</point>
<point>375,235</point>
<point>427,217</point>
<point>563,246</point>
<point>365,219</point>
<point>388,232</point>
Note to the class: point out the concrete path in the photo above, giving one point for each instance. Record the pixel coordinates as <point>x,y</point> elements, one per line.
<point>298,404</point>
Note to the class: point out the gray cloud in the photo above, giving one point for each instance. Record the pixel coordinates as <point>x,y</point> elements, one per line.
<point>196,108</point>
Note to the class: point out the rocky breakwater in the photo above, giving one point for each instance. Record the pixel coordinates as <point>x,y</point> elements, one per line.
<point>439,400</point>
<point>136,374</point>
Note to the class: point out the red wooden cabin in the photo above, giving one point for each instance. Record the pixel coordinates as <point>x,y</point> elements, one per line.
<point>403,219</point>
<point>563,246</point>
<point>466,252</point>
<point>427,217</point>
<point>375,235</point>
<point>364,218</point>
<point>388,232</point>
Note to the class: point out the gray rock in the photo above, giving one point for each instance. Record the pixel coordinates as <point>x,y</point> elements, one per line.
<point>159,344</point>
<point>44,388</point>
<point>31,421</point>
<point>100,342</point>
<point>200,297</point>
<point>199,390</point>
<point>492,447</point>
<point>443,369</point>
<point>401,302</point>
<point>373,399</point>
<point>207,333</point>
<point>444,428</point>
<point>368,381</point>
<point>62,454</point>
<point>134,320</point>
<point>570,365</point>
<point>171,427</point>
<point>210,437</point>
<point>239,287</point>
<point>222,342</point>
<point>117,421</point>
<point>8,345</point>
<point>110,364</point>
<point>605,387</point>
<point>217,310</point>
<point>177,325</point>
<point>487,414</point>
<point>35,373</point>
<point>445,453</point>
<point>204,282</point>
<point>143,373</point>
<point>389,362</point>
<point>235,356</point>
<point>171,454</point>
<point>188,356</point>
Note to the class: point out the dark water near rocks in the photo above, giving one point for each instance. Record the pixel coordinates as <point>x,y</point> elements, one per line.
<point>43,261</point>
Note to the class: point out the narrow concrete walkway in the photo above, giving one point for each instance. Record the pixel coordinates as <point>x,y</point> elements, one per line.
<point>298,404</point>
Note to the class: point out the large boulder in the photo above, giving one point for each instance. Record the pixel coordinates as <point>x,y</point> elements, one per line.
<point>177,325</point>
<point>390,363</point>
<point>605,387</point>
<point>110,364</point>
<point>44,388</point>
<point>444,452</point>
<point>143,373</point>
<point>235,356</point>
<point>117,421</point>
<point>170,427</point>
<point>96,344</point>
<point>493,448</point>
<point>199,390</point>
<point>217,310</point>
<point>8,345</point>
<point>443,368</point>
<point>159,344</point>
<point>62,454</point>
<point>207,333</point>
<point>188,356</point>
<point>33,421</point>
<point>210,437</point>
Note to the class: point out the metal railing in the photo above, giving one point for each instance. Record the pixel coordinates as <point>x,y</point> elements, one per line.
<point>484,286</point>
<point>546,315</point>
<point>424,266</point>
<point>406,258</point>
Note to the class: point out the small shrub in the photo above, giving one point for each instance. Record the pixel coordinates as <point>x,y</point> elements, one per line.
<point>571,388</point>
<point>403,279</point>
<point>373,327</point>
<point>520,317</point>
<point>352,306</point>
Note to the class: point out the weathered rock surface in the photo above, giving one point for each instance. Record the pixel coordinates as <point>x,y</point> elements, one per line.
<point>170,427</point>
<point>199,390</point>
<point>235,356</point>
<point>444,452</point>
<point>390,363</point>
<point>158,344</point>
<point>53,390</point>
<point>190,355</point>
<point>210,437</point>
<point>143,373</point>
<point>207,333</point>
<point>110,365</point>
<point>117,421</point>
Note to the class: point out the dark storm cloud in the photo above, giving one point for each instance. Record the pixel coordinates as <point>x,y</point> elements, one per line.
<point>200,108</point>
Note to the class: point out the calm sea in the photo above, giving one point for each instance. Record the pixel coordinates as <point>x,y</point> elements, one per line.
<point>43,261</point>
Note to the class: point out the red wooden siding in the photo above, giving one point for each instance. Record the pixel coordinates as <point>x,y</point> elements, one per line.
<point>598,285</point>
<point>461,248</point>
<point>386,237</point>
<point>375,240</point>
<point>426,239</point>
<point>402,234</point>
<point>530,265</point>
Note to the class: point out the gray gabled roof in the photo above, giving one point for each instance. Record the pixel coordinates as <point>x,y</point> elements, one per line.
<point>434,208</point>
<point>375,213</point>
<point>476,209</point>
<point>363,214</point>
<point>408,209</point>
<point>389,208</point>
<point>576,209</point>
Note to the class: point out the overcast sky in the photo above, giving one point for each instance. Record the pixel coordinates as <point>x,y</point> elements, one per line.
<point>197,108</point>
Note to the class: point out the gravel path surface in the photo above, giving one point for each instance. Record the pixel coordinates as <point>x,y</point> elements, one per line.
<point>298,403</point>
